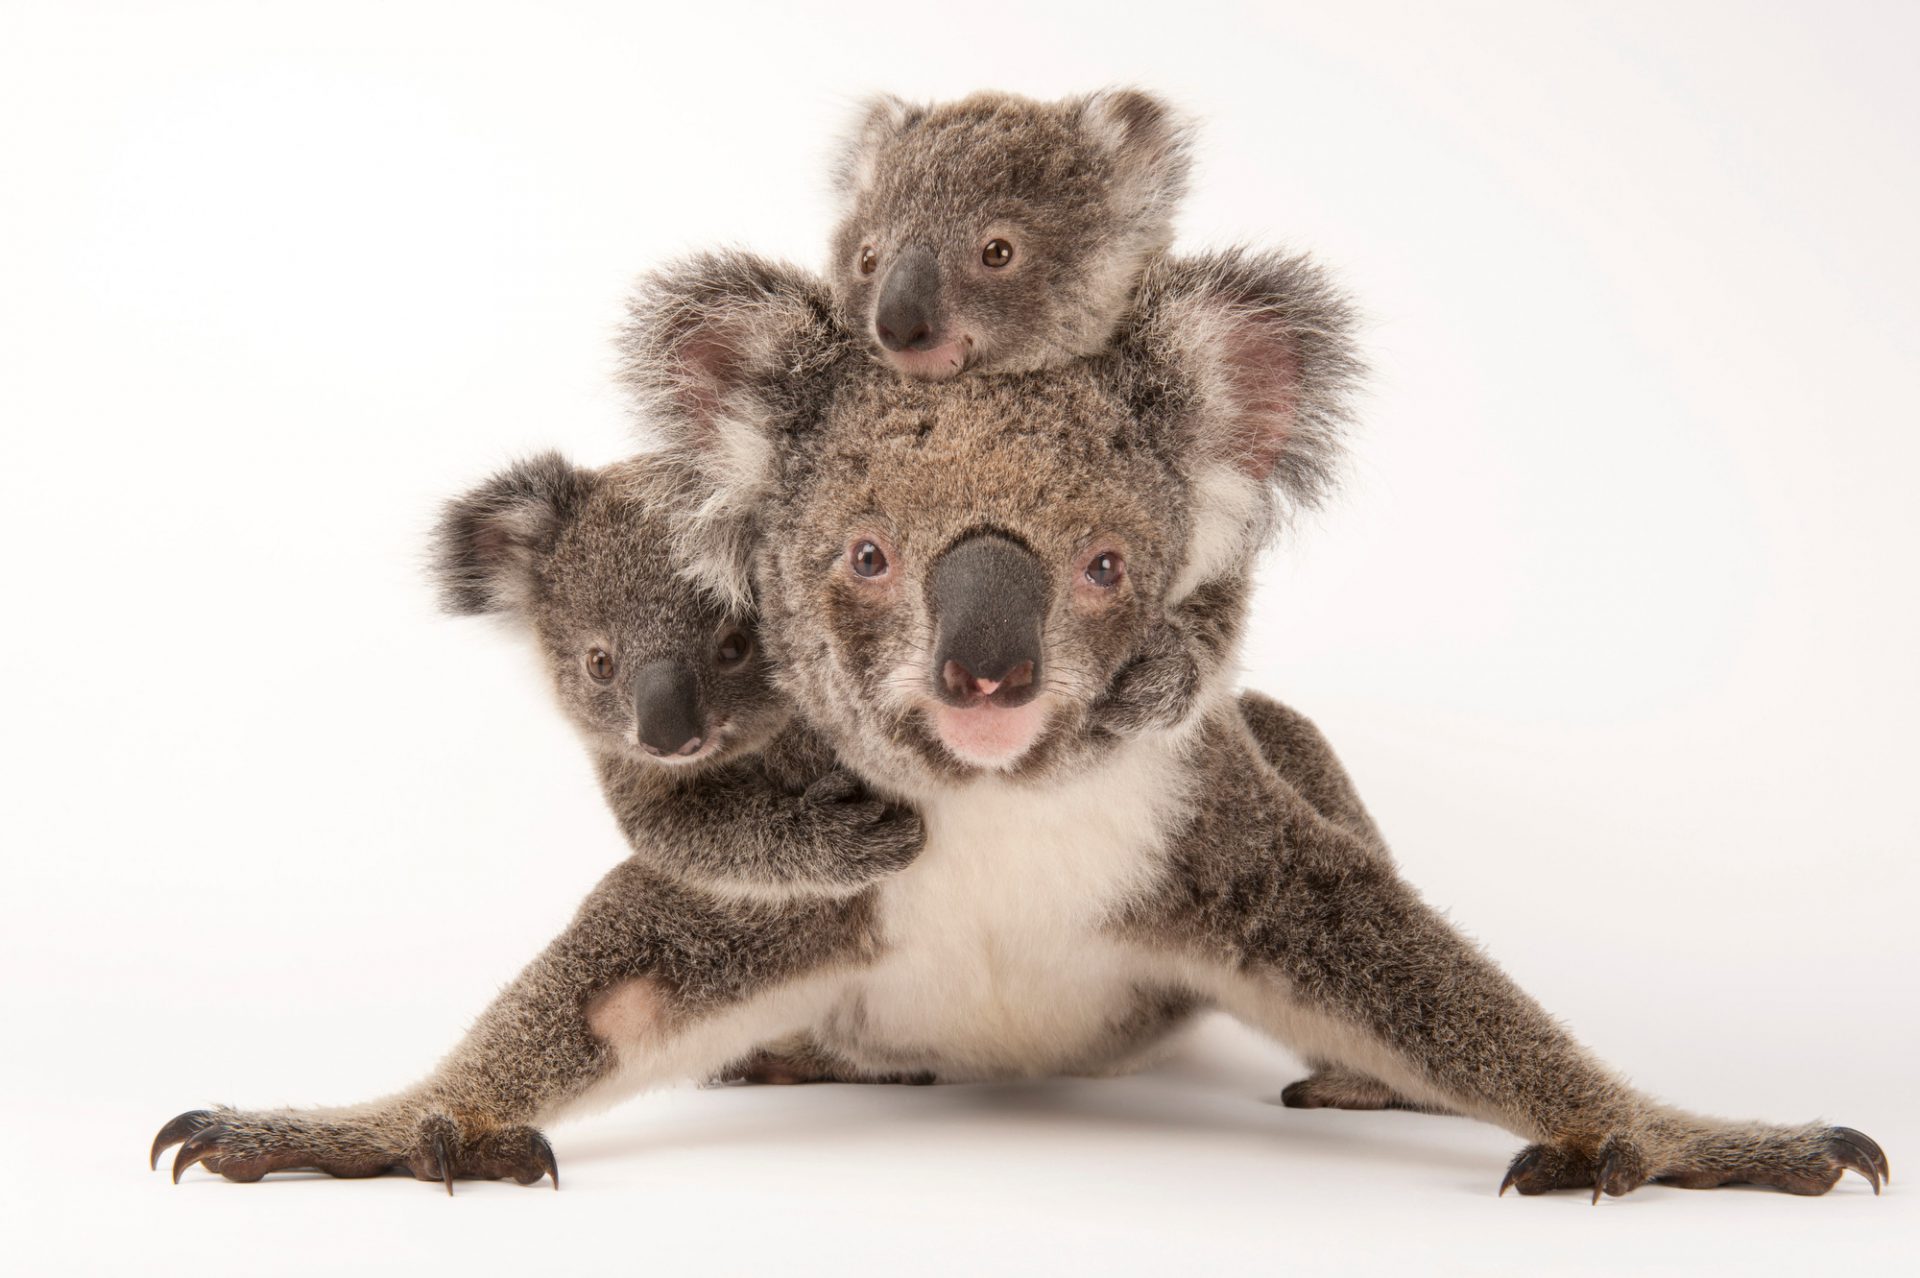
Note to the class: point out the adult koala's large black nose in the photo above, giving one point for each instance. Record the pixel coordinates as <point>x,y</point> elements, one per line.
<point>989,596</point>
<point>908,313</point>
<point>666,708</point>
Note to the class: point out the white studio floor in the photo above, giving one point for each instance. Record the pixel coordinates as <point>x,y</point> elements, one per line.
<point>1191,1167</point>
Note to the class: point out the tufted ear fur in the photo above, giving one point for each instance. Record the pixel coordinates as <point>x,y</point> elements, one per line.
<point>489,542</point>
<point>878,120</point>
<point>1152,149</point>
<point>725,353</point>
<point>1257,350</point>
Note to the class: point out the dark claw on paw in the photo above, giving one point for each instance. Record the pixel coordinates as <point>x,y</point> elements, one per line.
<point>543,1158</point>
<point>1520,1167</point>
<point>1862,1153</point>
<point>198,1146</point>
<point>183,1126</point>
<point>442,1162</point>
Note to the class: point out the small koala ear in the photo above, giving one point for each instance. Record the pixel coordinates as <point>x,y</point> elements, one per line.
<point>1259,347</point>
<point>1152,148</point>
<point>728,354</point>
<point>489,542</point>
<point>877,121</point>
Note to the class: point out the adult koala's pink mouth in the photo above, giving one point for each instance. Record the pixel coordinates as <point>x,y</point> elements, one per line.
<point>986,735</point>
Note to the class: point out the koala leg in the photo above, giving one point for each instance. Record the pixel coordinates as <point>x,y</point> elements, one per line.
<point>1295,748</point>
<point>1304,929</point>
<point>652,982</point>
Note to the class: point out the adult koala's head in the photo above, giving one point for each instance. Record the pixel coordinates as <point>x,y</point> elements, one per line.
<point>648,664</point>
<point>951,574</point>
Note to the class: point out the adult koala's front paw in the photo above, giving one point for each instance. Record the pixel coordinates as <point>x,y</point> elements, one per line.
<point>1800,1160</point>
<point>863,833</point>
<point>245,1146</point>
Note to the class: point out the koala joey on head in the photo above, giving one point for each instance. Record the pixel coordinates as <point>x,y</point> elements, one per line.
<point>700,757</point>
<point>997,233</point>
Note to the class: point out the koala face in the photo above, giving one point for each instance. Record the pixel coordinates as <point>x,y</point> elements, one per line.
<point>952,573</point>
<point>998,233</point>
<point>646,663</point>
<point>965,567</point>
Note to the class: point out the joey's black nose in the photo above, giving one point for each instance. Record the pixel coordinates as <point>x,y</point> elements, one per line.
<point>989,596</point>
<point>666,708</point>
<point>908,312</point>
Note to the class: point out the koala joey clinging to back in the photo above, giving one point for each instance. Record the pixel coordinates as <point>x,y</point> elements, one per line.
<point>701,759</point>
<point>996,233</point>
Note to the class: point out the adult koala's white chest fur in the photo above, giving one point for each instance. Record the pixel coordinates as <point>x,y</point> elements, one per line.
<point>996,960</point>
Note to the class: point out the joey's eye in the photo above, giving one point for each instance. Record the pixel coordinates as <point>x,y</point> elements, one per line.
<point>600,664</point>
<point>868,259</point>
<point>867,559</point>
<point>1106,569</point>
<point>997,253</point>
<point>733,650</point>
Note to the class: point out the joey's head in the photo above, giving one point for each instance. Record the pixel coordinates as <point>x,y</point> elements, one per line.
<point>999,233</point>
<point>954,573</point>
<point>648,664</point>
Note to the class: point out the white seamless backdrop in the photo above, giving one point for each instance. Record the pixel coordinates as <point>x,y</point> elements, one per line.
<point>1614,621</point>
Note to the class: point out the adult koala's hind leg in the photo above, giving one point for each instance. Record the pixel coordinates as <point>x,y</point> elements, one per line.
<point>1295,748</point>
<point>652,982</point>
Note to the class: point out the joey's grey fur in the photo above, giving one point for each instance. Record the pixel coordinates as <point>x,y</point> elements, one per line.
<point>1078,195</point>
<point>1079,891</point>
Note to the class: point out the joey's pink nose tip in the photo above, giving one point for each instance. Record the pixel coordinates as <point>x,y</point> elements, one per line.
<point>986,686</point>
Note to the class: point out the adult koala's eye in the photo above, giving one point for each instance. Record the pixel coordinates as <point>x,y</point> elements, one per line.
<point>869,260</point>
<point>600,664</point>
<point>732,651</point>
<point>997,253</point>
<point>1106,569</point>
<point>867,560</point>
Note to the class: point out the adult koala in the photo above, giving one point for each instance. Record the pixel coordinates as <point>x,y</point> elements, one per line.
<point>950,577</point>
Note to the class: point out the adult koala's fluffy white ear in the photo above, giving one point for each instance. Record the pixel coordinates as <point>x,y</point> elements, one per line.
<point>1254,353</point>
<point>489,542</point>
<point>725,353</point>
<point>877,121</point>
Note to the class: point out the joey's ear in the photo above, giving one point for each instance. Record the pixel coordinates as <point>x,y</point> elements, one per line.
<point>1152,148</point>
<point>877,121</point>
<point>1257,351</point>
<point>489,542</point>
<point>728,355</point>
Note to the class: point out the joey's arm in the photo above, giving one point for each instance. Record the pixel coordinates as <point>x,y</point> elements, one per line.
<point>1185,652</point>
<point>1309,932</point>
<point>605,1009</point>
<point>756,822</point>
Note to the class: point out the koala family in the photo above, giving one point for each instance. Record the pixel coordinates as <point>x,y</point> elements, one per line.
<point>905,660</point>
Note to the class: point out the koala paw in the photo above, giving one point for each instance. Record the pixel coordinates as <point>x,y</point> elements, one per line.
<point>862,832</point>
<point>246,1146</point>
<point>1331,1087</point>
<point>1155,690</point>
<point>1799,1160</point>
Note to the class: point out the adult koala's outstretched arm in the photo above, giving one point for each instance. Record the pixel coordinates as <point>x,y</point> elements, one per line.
<point>653,982</point>
<point>1301,926</point>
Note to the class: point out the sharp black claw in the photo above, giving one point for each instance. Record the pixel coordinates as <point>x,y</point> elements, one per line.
<point>177,1130</point>
<point>1862,1153</point>
<point>441,1161</point>
<point>198,1146</point>
<point>543,1154</point>
<point>1524,1163</point>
